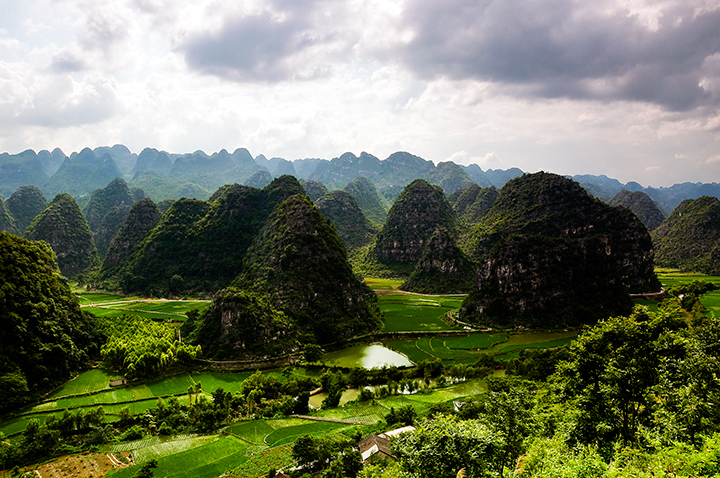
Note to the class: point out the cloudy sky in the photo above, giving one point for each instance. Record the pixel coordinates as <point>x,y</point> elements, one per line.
<point>627,88</point>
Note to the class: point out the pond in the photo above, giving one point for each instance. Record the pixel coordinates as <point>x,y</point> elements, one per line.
<point>367,356</point>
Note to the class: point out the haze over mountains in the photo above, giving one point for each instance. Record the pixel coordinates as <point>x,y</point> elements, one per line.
<point>163,175</point>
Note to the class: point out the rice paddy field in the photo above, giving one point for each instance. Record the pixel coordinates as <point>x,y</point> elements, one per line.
<point>156,310</point>
<point>711,300</point>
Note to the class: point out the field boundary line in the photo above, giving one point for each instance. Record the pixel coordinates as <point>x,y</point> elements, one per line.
<point>324,419</point>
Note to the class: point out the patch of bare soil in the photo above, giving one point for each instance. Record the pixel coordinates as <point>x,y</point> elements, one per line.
<point>85,465</point>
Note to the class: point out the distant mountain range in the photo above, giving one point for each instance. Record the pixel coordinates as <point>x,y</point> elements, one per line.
<point>163,175</point>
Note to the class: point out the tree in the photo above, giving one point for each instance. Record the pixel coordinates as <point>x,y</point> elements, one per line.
<point>441,447</point>
<point>612,371</point>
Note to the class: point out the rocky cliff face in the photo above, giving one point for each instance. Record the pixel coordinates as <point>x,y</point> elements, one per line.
<point>104,224</point>
<point>419,210</point>
<point>368,199</point>
<point>300,261</point>
<point>62,225</point>
<point>690,237</point>
<point>442,268</point>
<point>138,223</point>
<point>550,254</point>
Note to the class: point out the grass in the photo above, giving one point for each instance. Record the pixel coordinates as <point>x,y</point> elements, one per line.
<point>475,341</point>
<point>171,385</point>
<point>383,284</point>
<point>289,434</point>
<point>206,461</point>
<point>253,431</point>
<point>365,412</point>
<point>228,381</point>
<point>93,380</point>
<point>259,464</point>
<point>171,447</point>
<point>410,312</point>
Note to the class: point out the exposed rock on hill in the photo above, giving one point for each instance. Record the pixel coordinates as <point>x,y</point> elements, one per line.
<point>314,189</point>
<point>368,199</point>
<point>43,334</point>
<point>419,210</point>
<point>442,268</point>
<point>62,225</point>
<point>24,204</point>
<point>342,211</point>
<point>329,301</point>
<point>449,176</point>
<point>141,218</point>
<point>552,256</point>
<point>641,204</point>
<point>690,237</point>
<point>7,221</point>
<point>107,210</point>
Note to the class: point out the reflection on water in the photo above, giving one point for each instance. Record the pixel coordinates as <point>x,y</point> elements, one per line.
<point>367,356</point>
<point>348,395</point>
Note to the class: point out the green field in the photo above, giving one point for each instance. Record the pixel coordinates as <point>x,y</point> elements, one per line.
<point>253,431</point>
<point>383,284</point>
<point>671,277</point>
<point>93,380</point>
<point>410,312</point>
<point>206,461</point>
<point>462,349</point>
<point>289,434</point>
<point>158,310</point>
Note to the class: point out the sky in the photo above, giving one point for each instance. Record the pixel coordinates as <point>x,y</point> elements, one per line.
<point>625,88</point>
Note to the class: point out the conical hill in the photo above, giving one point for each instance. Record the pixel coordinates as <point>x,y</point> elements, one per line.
<point>550,255</point>
<point>690,237</point>
<point>141,218</point>
<point>442,268</point>
<point>419,210</point>
<point>25,204</point>
<point>342,210</point>
<point>62,225</point>
<point>299,260</point>
<point>642,205</point>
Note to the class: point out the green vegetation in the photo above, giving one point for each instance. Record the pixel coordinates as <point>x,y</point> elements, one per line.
<point>139,347</point>
<point>442,267</point>
<point>314,189</point>
<point>44,337</point>
<point>342,211</point>
<point>367,197</point>
<point>552,256</point>
<point>7,221</point>
<point>330,303</point>
<point>24,204</point>
<point>412,219</point>
<point>641,204</point>
<point>409,312</point>
<point>107,210</point>
<point>62,225</point>
<point>449,176</point>
<point>689,238</point>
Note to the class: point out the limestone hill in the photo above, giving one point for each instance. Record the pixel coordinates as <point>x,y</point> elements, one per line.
<point>550,255</point>
<point>24,204</point>
<point>62,225</point>
<point>299,260</point>
<point>641,204</point>
<point>690,237</point>
<point>342,211</point>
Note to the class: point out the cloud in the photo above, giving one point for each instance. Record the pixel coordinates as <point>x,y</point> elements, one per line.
<point>282,41</point>
<point>56,101</point>
<point>566,48</point>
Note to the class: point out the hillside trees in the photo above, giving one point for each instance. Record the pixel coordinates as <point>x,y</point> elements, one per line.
<point>44,337</point>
